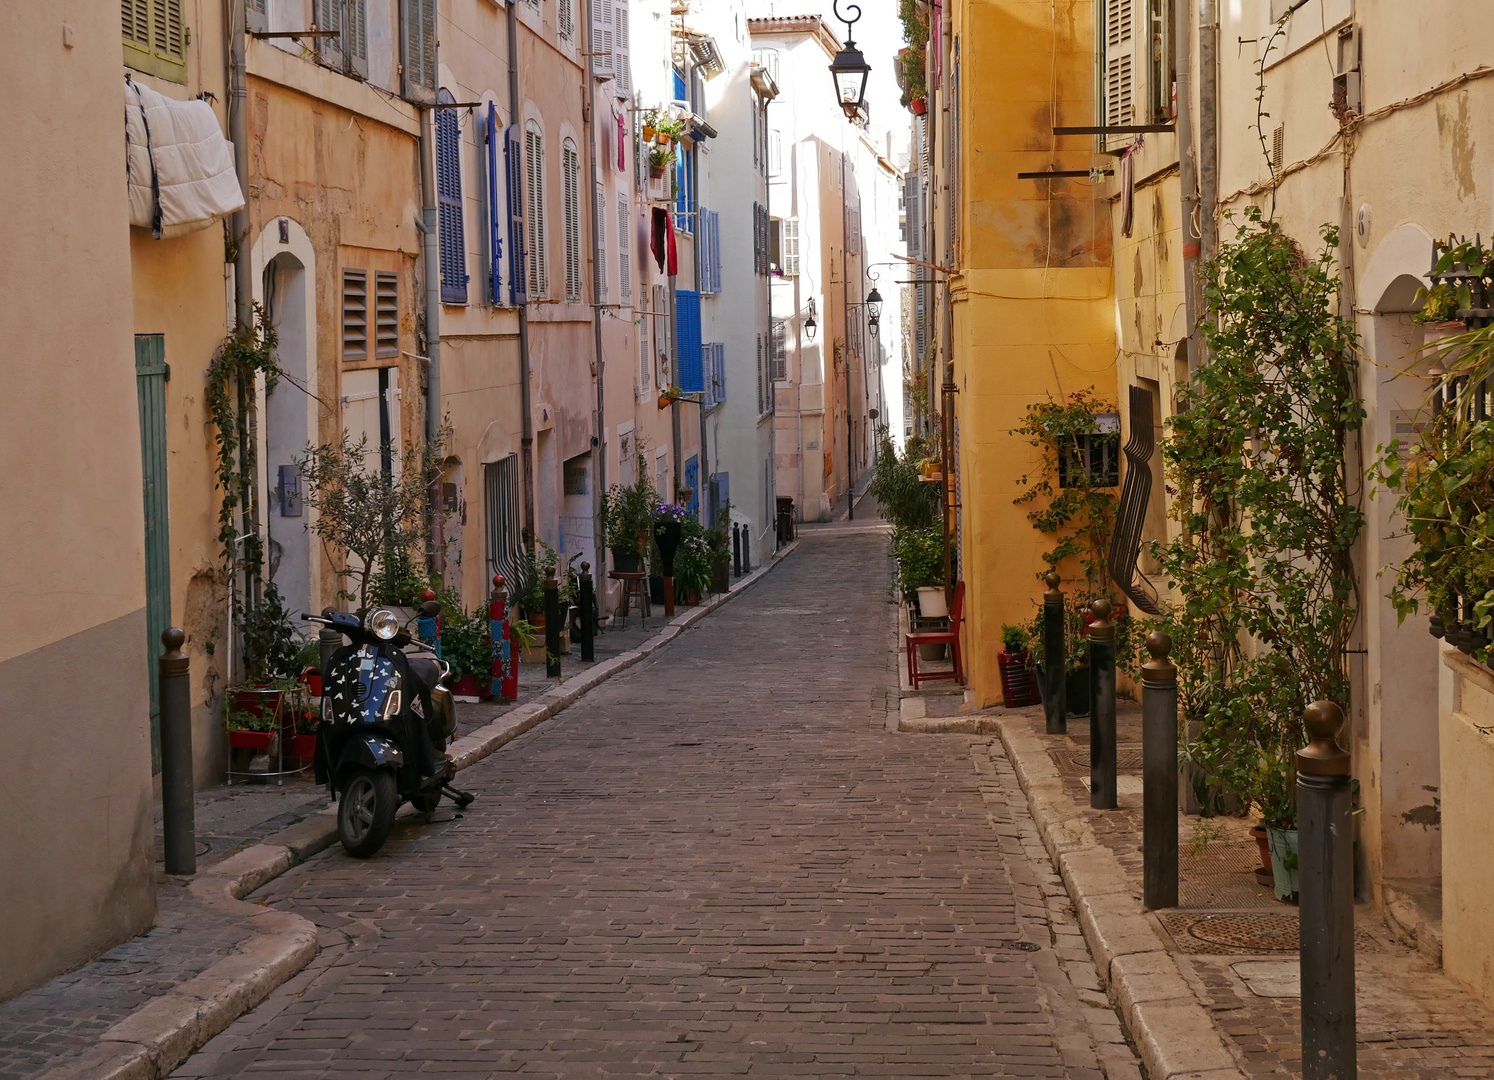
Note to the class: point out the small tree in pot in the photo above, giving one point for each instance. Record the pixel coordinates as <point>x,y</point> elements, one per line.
<point>1017,686</point>
<point>628,519</point>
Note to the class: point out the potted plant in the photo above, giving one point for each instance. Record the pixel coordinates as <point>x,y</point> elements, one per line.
<point>627,519</point>
<point>466,645</point>
<point>919,574</point>
<point>669,528</point>
<point>692,564</point>
<point>1017,686</point>
<point>659,160</point>
<point>669,129</point>
<point>650,119</point>
<point>272,657</point>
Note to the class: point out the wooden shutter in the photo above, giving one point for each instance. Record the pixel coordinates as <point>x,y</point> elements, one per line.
<point>154,38</point>
<point>622,53</point>
<point>566,16</point>
<point>257,19</point>
<point>662,348</point>
<point>790,247</point>
<point>513,157</point>
<point>688,345</point>
<point>645,356</point>
<point>718,372</point>
<point>1119,61</point>
<point>355,38</point>
<point>419,33</point>
<point>570,181</point>
<point>386,314</point>
<point>354,314</point>
<point>452,236</point>
<point>496,214</point>
<point>602,38</point>
<point>760,374</point>
<point>779,351</point>
<point>534,159</point>
<point>600,224</point>
<point>329,17</point>
<point>624,250</point>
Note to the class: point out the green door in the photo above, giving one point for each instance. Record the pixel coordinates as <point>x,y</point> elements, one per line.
<point>151,374</point>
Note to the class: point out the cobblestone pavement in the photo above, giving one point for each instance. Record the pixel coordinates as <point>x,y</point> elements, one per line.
<point>1413,1020</point>
<point>721,863</point>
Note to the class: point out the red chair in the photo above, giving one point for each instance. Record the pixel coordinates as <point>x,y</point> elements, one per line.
<point>950,637</point>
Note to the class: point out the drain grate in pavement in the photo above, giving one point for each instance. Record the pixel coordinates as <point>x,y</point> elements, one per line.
<point>1232,933</point>
<point>1221,877</point>
<point>1076,762</point>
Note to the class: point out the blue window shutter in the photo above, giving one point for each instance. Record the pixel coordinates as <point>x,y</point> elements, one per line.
<point>720,373</point>
<point>495,239</point>
<point>692,481</point>
<point>680,93</point>
<point>687,318</point>
<point>513,154</point>
<point>449,201</point>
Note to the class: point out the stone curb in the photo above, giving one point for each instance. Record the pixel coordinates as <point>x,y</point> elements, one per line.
<point>1174,1034</point>
<point>152,1041</point>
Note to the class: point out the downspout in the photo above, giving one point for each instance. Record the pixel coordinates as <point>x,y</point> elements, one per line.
<point>429,234</point>
<point>599,450</point>
<point>526,412</point>
<point>845,314</point>
<point>243,271</point>
<point>1182,34</point>
<point>1208,132</point>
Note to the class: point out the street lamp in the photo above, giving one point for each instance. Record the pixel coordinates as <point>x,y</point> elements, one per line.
<point>850,69</point>
<point>810,326</point>
<point>874,311</point>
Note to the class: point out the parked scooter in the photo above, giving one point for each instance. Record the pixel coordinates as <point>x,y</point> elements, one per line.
<point>385,723</point>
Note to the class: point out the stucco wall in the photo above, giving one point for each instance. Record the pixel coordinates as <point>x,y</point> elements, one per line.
<point>75,780</point>
<point>1467,742</point>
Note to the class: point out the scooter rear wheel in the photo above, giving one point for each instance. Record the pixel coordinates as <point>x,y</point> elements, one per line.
<point>365,811</point>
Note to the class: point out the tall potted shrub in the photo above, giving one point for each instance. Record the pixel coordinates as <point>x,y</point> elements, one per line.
<point>1263,562</point>
<point>628,518</point>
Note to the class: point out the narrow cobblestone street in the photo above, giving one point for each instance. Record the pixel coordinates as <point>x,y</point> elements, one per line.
<point>721,863</point>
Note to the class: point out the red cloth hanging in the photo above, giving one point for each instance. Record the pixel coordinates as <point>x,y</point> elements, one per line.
<point>673,263</point>
<point>622,162</point>
<point>656,242</point>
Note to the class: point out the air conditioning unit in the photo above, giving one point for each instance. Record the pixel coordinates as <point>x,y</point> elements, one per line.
<point>1347,99</point>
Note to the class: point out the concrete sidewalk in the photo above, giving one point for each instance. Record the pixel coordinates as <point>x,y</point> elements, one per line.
<point>143,1007</point>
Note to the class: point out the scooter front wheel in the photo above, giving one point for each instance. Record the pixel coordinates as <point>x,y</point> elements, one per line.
<point>365,811</point>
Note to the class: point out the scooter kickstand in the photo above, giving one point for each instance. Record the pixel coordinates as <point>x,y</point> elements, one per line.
<point>463,799</point>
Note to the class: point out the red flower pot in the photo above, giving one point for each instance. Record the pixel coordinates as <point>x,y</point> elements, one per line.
<point>313,681</point>
<point>919,106</point>
<point>1018,687</point>
<point>303,746</point>
<point>249,740</point>
<point>1265,875</point>
<point>468,686</point>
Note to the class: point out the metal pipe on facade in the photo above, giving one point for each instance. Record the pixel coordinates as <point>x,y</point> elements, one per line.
<point>598,223</point>
<point>243,271</point>
<point>1208,127</point>
<point>432,264</point>
<point>1187,175</point>
<point>526,411</point>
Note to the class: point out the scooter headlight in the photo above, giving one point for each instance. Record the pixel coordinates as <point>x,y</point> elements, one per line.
<point>384,623</point>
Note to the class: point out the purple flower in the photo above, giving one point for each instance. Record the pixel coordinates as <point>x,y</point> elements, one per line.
<point>670,512</point>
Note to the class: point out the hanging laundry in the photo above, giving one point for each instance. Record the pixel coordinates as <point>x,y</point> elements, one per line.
<point>622,161</point>
<point>669,224</point>
<point>656,242</point>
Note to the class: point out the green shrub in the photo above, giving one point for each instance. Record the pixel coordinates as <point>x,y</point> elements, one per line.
<point>920,558</point>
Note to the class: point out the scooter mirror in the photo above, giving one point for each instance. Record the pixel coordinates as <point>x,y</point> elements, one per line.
<point>430,609</point>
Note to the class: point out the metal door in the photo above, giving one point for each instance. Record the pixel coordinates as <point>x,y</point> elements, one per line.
<point>151,374</point>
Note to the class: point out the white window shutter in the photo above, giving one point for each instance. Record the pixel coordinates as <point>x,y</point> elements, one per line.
<point>790,247</point>
<point>602,37</point>
<point>355,38</point>
<point>645,356</point>
<point>624,250</point>
<point>570,178</point>
<point>257,19</point>
<point>419,58</point>
<point>600,209</point>
<point>622,59</point>
<point>534,161</point>
<point>329,17</point>
<point>567,19</point>
<point>1120,51</point>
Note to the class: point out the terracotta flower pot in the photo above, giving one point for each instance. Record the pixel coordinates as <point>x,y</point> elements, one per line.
<point>656,172</point>
<point>469,689</point>
<point>1018,685</point>
<point>303,746</point>
<point>919,106</point>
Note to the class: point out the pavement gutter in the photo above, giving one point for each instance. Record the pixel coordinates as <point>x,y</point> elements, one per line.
<point>152,1041</point>
<point>1174,1034</point>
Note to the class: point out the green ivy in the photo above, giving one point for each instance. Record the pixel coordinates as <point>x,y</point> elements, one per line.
<point>1263,564</point>
<point>246,354</point>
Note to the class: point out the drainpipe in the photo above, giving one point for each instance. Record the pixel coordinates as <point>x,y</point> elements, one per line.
<point>598,223</point>
<point>1208,129</point>
<point>526,412</point>
<point>432,260</point>
<point>845,311</point>
<point>243,270</point>
<point>1182,34</point>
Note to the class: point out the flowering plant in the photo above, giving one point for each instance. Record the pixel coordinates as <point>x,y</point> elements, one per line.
<point>665,512</point>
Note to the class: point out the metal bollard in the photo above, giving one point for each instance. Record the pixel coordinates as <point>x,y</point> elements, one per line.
<point>736,550</point>
<point>1055,698</point>
<point>587,599</point>
<point>1159,775</point>
<point>176,755</point>
<point>552,625</point>
<point>1325,854</point>
<point>1102,795</point>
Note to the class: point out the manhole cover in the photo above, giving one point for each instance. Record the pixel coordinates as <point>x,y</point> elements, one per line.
<point>203,847</point>
<point>1076,762</point>
<point>1232,932</point>
<point>117,967</point>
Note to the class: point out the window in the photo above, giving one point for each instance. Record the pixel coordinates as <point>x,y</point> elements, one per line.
<point>1137,65</point>
<point>780,350</point>
<point>624,246</point>
<point>154,38</point>
<point>566,16</point>
<point>710,250</point>
<point>1094,459</point>
<point>602,41</point>
<point>768,60</point>
<point>419,58</point>
<point>688,347</point>
<point>790,247</point>
<point>452,235</point>
<point>760,408</point>
<point>775,153</point>
<point>355,314</point>
<point>570,174</point>
<point>775,245</point>
<point>348,52</point>
<point>622,53</point>
<point>386,314</point>
<point>600,221</point>
<point>715,373</point>
<point>663,348</point>
<point>534,158</point>
<point>645,356</point>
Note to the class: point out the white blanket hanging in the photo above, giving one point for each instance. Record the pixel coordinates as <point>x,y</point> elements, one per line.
<point>179,166</point>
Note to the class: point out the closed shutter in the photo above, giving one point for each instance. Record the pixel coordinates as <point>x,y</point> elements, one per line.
<point>602,39</point>
<point>600,224</point>
<point>662,349</point>
<point>790,247</point>
<point>419,49</point>
<point>496,214</point>
<point>624,249</point>
<point>760,409</point>
<point>329,17</point>
<point>534,159</point>
<point>853,231</point>
<point>567,19</point>
<point>570,180</point>
<point>452,234</point>
<point>355,315</point>
<point>687,347</point>
<point>622,53</point>
<point>780,351</point>
<point>154,37</point>
<point>1119,60</point>
<point>258,18</point>
<point>513,157</point>
<point>718,372</point>
<point>645,356</point>
<point>715,251</point>
<point>386,314</point>
<point>355,38</point>
<point>954,152</point>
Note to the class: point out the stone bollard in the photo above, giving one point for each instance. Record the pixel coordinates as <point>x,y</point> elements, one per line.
<point>1325,853</point>
<point>552,625</point>
<point>1102,795</point>
<point>587,599</point>
<point>1159,775</point>
<point>172,669</point>
<point>1054,698</point>
<point>505,670</point>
